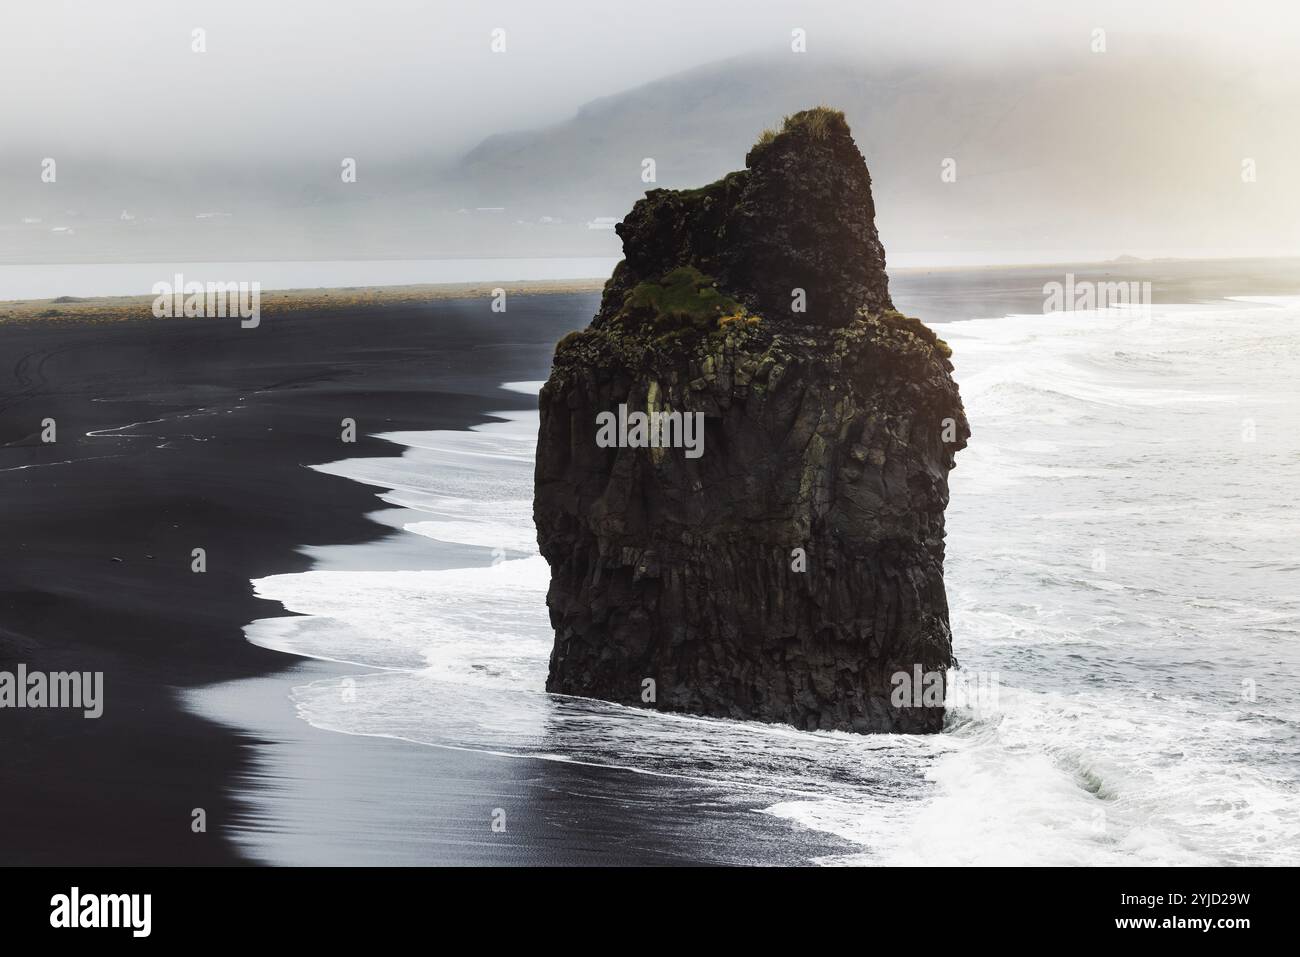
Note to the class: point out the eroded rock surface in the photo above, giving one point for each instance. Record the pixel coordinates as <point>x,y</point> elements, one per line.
<point>796,565</point>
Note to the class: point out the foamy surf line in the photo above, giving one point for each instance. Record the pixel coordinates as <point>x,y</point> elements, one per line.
<point>1065,770</point>
<point>457,657</point>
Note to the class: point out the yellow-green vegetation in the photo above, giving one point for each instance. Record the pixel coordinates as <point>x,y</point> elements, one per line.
<point>918,329</point>
<point>683,300</point>
<point>819,123</point>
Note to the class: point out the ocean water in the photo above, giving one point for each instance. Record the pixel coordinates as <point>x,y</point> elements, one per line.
<point>1123,554</point>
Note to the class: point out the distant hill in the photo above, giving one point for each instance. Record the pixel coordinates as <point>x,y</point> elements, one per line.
<point>1095,152</point>
<point>1054,158</point>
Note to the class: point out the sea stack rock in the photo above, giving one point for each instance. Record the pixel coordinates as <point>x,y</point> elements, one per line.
<point>742,464</point>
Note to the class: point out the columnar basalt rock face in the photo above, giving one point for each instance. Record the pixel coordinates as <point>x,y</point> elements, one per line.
<point>795,566</point>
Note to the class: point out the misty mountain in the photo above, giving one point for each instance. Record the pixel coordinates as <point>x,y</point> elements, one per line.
<point>1054,157</point>
<point>1098,152</point>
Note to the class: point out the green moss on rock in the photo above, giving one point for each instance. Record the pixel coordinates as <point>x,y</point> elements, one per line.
<point>684,300</point>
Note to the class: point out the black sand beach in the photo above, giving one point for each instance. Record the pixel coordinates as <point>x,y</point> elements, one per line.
<point>177,434</point>
<point>188,433</point>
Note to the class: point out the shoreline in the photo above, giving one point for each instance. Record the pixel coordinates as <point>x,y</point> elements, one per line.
<point>284,302</point>
<point>307,797</point>
<point>277,303</point>
<point>174,434</point>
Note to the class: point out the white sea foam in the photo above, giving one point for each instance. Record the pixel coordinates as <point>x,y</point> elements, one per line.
<point>1118,552</point>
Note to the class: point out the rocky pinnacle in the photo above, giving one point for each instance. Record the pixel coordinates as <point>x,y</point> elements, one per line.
<point>742,462</point>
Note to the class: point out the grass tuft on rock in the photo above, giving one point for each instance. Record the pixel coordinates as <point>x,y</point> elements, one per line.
<point>819,123</point>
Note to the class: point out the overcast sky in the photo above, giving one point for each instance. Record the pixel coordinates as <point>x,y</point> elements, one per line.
<point>399,76</point>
